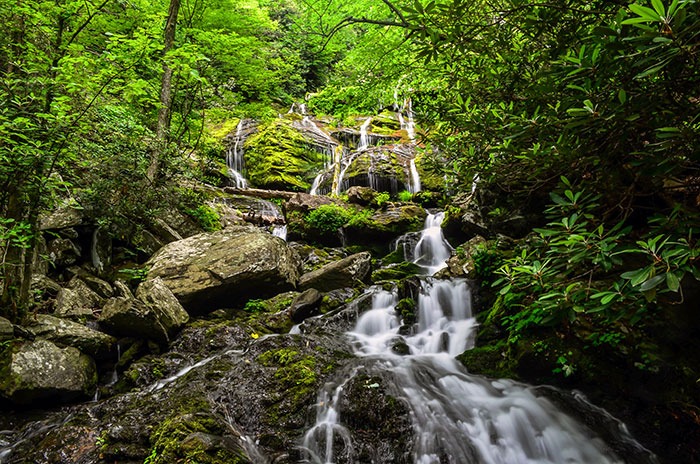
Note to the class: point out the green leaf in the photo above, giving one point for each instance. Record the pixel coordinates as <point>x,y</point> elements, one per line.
<point>645,12</point>
<point>622,96</point>
<point>607,298</point>
<point>653,282</point>
<point>658,7</point>
<point>672,281</point>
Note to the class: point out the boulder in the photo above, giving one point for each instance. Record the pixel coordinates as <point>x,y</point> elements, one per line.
<point>63,252</point>
<point>344,273</point>
<point>39,370</point>
<point>214,270</point>
<point>7,331</point>
<point>97,285</point>
<point>63,332</point>
<point>77,301</point>
<point>306,305</point>
<point>154,314</point>
<point>304,202</point>
<point>361,195</point>
<point>64,216</point>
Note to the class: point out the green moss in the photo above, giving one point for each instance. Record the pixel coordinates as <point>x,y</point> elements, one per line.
<point>407,308</point>
<point>396,272</point>
<point>489,361</point>
<point>296,373</point>
<point>185,439</point>
<point>277,157</point>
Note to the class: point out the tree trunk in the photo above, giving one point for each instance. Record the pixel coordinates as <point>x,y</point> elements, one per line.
<point>165,94</point>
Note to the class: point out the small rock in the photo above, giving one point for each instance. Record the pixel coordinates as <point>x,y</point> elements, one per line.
<point>306,305</point>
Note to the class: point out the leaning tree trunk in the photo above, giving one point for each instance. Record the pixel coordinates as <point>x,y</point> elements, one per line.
<point>165,94</point>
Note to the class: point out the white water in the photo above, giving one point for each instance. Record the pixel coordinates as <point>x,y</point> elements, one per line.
<point>432,250</point>
<point>364,137</point>
<point>414,184</point>
<point>457,417</point>
<point>234,158</point>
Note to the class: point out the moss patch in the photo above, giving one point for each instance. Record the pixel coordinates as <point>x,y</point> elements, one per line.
<point>277,157</point>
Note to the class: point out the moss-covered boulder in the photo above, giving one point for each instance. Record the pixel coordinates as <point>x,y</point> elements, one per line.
<point>39,370</point>
<point>63,332</point>
<point>278,158</point>
<point>224,269</point>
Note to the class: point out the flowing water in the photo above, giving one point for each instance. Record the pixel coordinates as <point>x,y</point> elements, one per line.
<point>457,417</point>
<point>234,157</point>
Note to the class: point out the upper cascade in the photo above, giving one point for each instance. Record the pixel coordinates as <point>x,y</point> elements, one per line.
<point>234,154</point>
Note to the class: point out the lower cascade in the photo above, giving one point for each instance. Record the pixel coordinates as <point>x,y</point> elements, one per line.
<point>456,417</point>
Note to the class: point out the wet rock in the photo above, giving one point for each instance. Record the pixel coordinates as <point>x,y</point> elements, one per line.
<point>39,370</point>
<point>214,270</point>
<point>63,332</point>
<point>380,421</point>
<point>306,305</point>
<point>77,301</point>
<point>154,314</point>
<point>347,272</point>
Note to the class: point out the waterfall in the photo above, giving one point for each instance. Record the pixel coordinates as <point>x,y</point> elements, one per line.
<point>414,184</point>
<point>408,123</point>
<point>316,183</point>
<point>457,417</point>
<point>234,158</point>
<point>432,250</point>
<point>364,137</point>
<point>267,215</point>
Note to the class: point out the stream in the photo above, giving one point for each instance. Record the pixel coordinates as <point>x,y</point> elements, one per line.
<point>456,417</point>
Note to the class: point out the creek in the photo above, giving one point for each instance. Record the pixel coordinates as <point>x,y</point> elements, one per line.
<point>456,417</point>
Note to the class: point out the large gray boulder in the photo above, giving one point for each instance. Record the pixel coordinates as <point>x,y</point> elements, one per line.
<point>154,313</point>
<point>63,332</point>
<point>39,370</point>
<point>225,268</point>
<point>347,272</point>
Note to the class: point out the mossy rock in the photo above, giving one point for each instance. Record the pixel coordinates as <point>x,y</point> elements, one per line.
<point>278,158</point>
<point>194,438</point>
<point>488,360</point>
<point>396,272</point>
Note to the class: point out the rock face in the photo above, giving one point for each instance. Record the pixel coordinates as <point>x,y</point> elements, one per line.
<point>63,332</point>
<point>40,370</point>
<point>344,273</point>
<point>154,314</point>
<point>222,269</point>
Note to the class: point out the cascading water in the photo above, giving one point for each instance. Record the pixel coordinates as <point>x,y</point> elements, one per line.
<point>432,250</point>
<point>457,417</point>
<point>414,184</point>
<point>364,137</point>
<point>234,158</point>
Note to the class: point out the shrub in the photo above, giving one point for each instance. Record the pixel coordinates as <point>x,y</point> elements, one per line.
<point>328,218</point>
